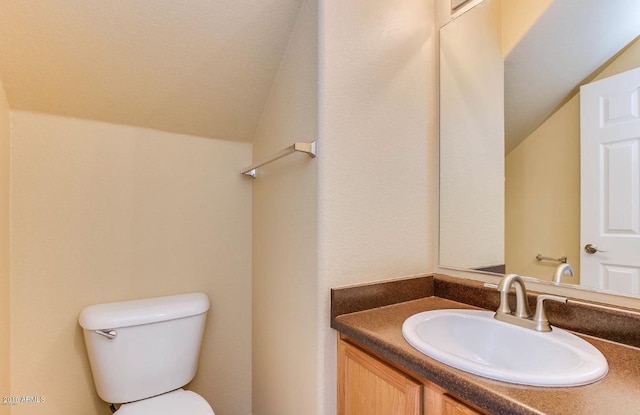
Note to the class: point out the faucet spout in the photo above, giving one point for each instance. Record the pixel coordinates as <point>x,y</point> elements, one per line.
<point>562,270</point>
<point>522,304</point>
<point>523,316</point>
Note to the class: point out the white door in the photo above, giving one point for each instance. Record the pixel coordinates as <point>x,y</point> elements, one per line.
<point>610,183</point>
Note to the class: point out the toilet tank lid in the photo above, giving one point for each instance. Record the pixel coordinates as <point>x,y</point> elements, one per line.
<point>148,310</point>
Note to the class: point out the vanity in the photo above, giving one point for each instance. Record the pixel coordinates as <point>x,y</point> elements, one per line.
<point>378,368</point>
<point>368,383</point>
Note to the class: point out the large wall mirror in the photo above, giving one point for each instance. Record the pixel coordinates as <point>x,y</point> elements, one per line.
<point>540,141</point>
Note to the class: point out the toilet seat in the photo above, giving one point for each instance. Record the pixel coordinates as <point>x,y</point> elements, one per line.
<point>178,402</point>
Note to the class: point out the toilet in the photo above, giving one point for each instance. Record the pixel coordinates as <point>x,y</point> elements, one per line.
<point>143,352</point>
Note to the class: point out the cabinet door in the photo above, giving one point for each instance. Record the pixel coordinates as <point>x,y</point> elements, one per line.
<point>438,402</point>
<point>367,386</point>
<point>451,406</point>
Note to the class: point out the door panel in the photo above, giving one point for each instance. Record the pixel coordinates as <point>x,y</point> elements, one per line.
<point>610,182</point>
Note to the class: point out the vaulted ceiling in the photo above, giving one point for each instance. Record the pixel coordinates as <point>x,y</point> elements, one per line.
<point>567,45</point>
<point>200,67</point>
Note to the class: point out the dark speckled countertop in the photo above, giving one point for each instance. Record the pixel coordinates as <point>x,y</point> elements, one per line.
<point>379,328</point>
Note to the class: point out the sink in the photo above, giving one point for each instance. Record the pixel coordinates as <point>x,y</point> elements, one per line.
<point>473,341</point>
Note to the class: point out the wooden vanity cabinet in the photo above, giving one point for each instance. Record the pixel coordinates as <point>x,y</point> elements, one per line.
<point>369,386</point>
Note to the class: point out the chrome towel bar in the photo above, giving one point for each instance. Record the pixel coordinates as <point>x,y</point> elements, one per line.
<point>308,148</point>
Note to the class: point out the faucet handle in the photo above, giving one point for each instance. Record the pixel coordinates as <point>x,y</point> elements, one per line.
<point>540,317</point>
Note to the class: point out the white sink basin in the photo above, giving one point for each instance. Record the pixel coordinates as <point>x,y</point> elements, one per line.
<point>475,342</point>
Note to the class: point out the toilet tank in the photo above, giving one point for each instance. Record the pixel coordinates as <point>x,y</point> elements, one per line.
<point>142,348</point>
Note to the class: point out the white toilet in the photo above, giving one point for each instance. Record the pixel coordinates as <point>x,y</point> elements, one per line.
<point>143,352</point>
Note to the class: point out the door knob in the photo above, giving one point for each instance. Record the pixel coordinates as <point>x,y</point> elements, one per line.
<point>592,249</point>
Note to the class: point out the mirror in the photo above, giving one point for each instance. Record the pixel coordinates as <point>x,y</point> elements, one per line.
<point>510,73</point>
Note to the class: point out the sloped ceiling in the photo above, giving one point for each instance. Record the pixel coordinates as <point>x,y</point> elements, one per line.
<point>200,67</point>
<point>567,44</point>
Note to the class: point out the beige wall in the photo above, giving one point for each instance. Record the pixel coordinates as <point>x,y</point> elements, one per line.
<point>543,196</point>
<point>543,187</point>
<point>104,212</point>
<point>285,219</point>
<point>362,210</point>
<point>5,299</point>
<point>518,16</point>
<point>376,162</point>
<point>472,156</point>
<point>107,212</point>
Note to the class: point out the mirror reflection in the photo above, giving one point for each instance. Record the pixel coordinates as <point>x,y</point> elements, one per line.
<point>519,192</point>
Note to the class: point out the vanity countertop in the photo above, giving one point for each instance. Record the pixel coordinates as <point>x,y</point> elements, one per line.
<point>380,330</point>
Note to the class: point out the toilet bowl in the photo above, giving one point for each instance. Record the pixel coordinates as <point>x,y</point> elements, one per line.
<point>142,353</point>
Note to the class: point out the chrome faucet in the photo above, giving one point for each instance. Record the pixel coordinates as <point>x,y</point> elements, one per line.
<point>523,316</point>
<point>562,270</point>
<point>522,305</point>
